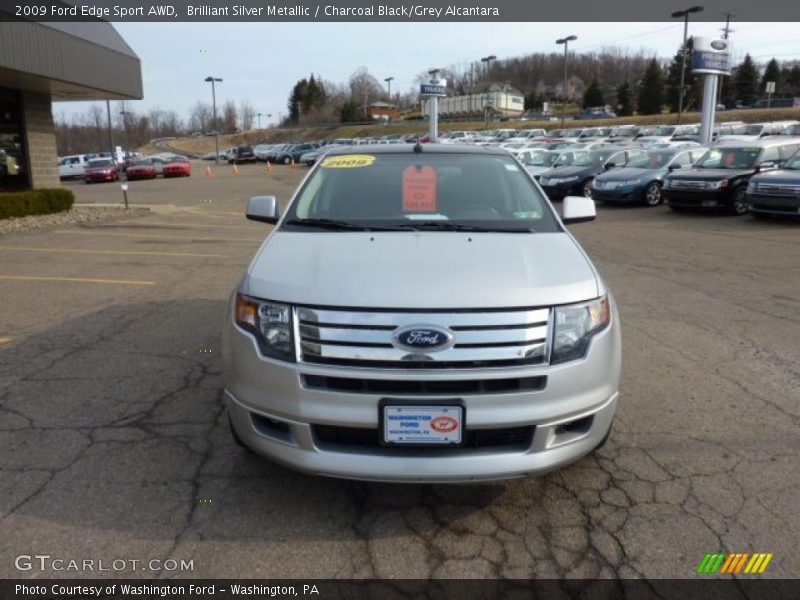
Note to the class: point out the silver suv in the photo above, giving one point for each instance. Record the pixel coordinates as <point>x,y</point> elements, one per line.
<point>420,313</point>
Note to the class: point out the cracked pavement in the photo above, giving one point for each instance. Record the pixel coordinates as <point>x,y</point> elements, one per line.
<point>114,439</point>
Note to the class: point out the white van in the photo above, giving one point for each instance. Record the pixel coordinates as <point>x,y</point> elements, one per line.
<point>72,166</point>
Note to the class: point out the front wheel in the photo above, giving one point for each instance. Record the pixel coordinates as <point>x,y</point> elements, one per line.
<point>587,188</point>
<point>739,202</point>
<point>652,195</point>
<point>287,160</point>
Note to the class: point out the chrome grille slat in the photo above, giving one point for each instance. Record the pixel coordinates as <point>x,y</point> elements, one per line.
<point>365,338</point>
<point>779,189</point>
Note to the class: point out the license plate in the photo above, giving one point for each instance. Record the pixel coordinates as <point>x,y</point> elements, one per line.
<point>422,425</point>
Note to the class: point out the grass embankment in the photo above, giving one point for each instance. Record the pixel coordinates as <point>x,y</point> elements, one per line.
<point>202,145</point>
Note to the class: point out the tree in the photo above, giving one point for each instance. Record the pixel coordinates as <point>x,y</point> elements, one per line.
<point>746,81</point>
<point>772,73</point>
<point>692,83</point>
<point>247,115</point>
<point>624,100</point>
<point>593,96</point>
<point>200,117</point>
<point>651,90</point>
<point>229,116</point>
<point>349,112</point>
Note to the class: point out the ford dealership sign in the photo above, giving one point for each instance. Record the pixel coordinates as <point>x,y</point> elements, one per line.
<point>711,56</point>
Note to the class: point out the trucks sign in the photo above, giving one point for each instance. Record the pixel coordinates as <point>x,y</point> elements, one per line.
<point>435,87</point>
<point>711,56</point>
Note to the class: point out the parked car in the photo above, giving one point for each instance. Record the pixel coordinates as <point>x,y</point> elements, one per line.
<point>597,112</point>
<point>99,170</point>
<point>665,133</point>
<point>335,365</point>
<point>719,179</point>
<point>792,130</point>
<point>756,131</point>
<point>539,160</point>
<point>71,167</point>
<point>640,180</point>
<point>283,154</point>
<point>776,192</point>
<point>141,169</point>
<point>242,154</point>
<point>178,166</point>
<point>312,156</point>
<point>584,166</point>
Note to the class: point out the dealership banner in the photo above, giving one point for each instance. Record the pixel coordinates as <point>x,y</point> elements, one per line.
<point>361,10</point>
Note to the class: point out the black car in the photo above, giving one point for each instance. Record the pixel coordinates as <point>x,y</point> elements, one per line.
<point>719,179</point>
<point>242,154</point>
<point>776,192</point>
<point>576,179</point>
<point>291,153</point>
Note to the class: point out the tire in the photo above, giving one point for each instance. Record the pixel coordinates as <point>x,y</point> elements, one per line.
<point>587,188</point>
<point>652,194</point>
<point>738,205</point>
<point>605,438</point>
<point>287,160</point>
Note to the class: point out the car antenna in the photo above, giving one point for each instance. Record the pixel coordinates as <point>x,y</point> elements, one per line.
<point>418,146</point>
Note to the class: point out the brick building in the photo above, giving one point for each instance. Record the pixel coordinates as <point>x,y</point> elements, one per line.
<point>42,62</point>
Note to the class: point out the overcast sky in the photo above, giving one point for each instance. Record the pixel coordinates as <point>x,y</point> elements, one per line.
<point>260,62</point>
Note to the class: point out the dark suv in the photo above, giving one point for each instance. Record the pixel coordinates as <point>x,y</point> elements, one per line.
<point>242,154</point>
<point>577,177</point>
<point>719,179</point>
<point>776,192</point>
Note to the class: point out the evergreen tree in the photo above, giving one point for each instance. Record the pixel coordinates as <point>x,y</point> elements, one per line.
<point>746,82</point>
<point>772,73</point>
<point>296,100</point>
<point>350,111</point>
<point>651,91</point>
<point>593,96</point>
<point>624,100</point>
<point>692,83</point>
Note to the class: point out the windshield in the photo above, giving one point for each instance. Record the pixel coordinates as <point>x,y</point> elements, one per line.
<point>663,131</point>
<point>793,162</point>
<point>103,162</point>
<point>420,191</point>
<point>541,158</point>
<point>747,130</point>
<point>588,159</point>
<point>651,160</point>
<point>729,158</point>
<point>142,163</point>
<point>574,133</point>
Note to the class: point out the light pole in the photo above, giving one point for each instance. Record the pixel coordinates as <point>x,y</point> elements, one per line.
<point>487,60</point>
<point>125,114</point>
<point>269,116</point>
<point>213,81</point>
<point>388,81</point>
<point>258,116</point>
<point>565,41</point>
<point>684,14</point>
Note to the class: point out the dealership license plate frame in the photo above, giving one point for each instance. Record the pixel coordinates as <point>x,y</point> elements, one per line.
<point>407,405</point>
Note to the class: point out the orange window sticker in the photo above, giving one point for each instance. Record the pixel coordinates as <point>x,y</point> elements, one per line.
<point>419,189</point>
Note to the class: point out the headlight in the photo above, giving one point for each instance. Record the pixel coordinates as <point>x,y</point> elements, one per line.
<point>751,187</point>
<point>544,181</point>
<point>575,325</point>
<point>270,323</point>
<point>716,185</point>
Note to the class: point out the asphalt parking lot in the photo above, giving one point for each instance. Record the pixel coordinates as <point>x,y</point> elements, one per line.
<point>115,444</point>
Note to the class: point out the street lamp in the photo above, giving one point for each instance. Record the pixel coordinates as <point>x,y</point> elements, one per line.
<point>258,116</point>
<point>684,14</point>
<point>488,60</point>
<point>388,81</point>
<point>565,41</point>
<point>213,81</point>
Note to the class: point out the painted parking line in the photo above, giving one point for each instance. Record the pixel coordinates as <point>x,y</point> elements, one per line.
<point>185,225</point>
<point>77,280</point>
<point>143,236</point>
<point>112,252</point>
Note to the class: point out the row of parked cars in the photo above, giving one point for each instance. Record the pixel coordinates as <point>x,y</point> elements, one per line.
<point>100,168</point>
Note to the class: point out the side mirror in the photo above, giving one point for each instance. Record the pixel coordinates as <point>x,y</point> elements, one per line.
<point>263,209</point>
<point>578,209</point>
<point>767,164</point>
<point>673,167</point>
<point>609,165</point>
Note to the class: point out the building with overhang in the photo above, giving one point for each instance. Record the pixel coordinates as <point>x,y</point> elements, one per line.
<point>45,62</point>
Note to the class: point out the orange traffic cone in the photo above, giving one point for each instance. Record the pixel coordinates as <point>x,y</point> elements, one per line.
<point>235,169</point>
<point>293,165</point>
<point>208,171</point>
<point>269,167</point>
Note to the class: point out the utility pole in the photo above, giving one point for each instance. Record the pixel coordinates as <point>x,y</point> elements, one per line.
<point>213,81</point>
<point>726,32</point>
<point>565,41</point>
<point>258,116</point>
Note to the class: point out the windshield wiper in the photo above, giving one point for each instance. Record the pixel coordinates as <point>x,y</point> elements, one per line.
<point>337,225</point>
<point>450,226</point>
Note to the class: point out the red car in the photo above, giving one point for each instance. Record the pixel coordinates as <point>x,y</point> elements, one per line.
<point>100,170</point>
<point>141,169</point>
<point>178,166</point>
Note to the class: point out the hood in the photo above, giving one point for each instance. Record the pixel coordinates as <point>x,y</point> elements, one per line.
<point>709,174</point>
<point>571,171</point>
<point>423,270</point>
<point>537,169</point>
<point>653,138</point>
<point>738,138</point>
<point>790,176</point>
<point>626,173</point>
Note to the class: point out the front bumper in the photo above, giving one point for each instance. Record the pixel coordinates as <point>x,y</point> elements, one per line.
<point>276,413</point>
<point>620,195</point>
<point>698,198</point>
<point>561,191</point>
<point>774,205</point>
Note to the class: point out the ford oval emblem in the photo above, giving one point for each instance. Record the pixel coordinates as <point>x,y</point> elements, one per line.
<point>719,44</point>
<point>423,338</point>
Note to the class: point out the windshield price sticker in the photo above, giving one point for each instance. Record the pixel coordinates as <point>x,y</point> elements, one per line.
<point>348,161</point>
<point>419,189</point>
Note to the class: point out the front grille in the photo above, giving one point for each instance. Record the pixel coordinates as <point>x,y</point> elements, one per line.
<point>686,184</point>
<point>425,388</point>
<point>506,439</point>
<point>481,338</point>
<point>778,189</point>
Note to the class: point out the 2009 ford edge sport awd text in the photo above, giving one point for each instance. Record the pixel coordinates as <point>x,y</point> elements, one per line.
<point>421,314</point>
